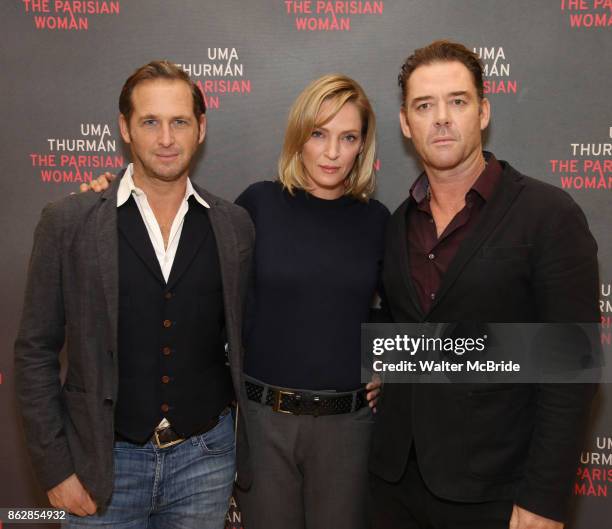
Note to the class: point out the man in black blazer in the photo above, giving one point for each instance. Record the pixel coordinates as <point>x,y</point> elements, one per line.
<point>145,285</point>
<point>477,241</point>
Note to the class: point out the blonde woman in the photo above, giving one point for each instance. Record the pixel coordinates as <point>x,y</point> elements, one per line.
<point>316,270</point>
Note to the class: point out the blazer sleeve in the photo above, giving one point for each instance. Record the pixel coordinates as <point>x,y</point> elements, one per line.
<point>37,348</point>
<point>566,290</point>
<point>381,313</point>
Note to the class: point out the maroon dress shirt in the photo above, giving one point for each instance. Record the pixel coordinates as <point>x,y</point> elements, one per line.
<point>430,255</point>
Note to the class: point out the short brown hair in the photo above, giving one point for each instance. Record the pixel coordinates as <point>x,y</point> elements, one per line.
<point>304,117</point>
<point>159,70</point>
<point>442,51</point>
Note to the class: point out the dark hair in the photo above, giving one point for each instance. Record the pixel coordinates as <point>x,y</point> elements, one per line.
<point>441,51</point>
<point>158,70</point>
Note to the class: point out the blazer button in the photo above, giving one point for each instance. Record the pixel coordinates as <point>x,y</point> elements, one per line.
<point>167,324</point>
<point>165,379</point>
<point>168,295</point>
<point>165,408</point>
<point>166,351</point>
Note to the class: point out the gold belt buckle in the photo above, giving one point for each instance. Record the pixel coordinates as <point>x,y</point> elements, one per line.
<point>165,445</point>
<point>278,398</point>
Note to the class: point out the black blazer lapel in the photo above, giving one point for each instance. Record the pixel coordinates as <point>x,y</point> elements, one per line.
<point>194,233</point>
<point>401,235</point>
<point>132,227</point>
<point>490,216</point>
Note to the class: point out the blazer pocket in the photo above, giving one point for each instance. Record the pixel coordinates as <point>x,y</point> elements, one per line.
<point>78,415</point>
<point>498,431</point>
<point>245,254</point>
<point>505,252</point>
<point>71,388</point>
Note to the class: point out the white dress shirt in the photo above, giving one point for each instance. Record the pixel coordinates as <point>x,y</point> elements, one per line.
<point>165,256</point>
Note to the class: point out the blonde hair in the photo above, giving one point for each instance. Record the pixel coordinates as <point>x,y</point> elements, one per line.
<point>304,118</point>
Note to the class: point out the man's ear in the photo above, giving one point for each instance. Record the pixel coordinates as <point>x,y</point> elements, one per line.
<point>485,113</point>
<point>202,128</point>
<point>124,128</point>
<point>404,122</point>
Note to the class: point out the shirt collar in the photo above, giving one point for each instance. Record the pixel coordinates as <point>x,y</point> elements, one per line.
<point>484,185</point>
<point>487,182</point>
<point>419,189</point>
<point>190,191</point>
<point>127,187</point>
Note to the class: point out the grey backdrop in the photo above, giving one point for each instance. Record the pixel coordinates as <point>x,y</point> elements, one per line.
<point>62,69</point>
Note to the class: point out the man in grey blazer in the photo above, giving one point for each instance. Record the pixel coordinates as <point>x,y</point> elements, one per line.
<point>144,284</point>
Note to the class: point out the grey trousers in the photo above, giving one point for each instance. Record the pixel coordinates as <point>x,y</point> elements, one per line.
<point>308,472</point>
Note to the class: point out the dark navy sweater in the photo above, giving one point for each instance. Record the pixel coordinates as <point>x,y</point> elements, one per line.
<point>316,267</point>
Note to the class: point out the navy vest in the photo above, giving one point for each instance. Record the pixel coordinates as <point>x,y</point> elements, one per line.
<point>171,352</point>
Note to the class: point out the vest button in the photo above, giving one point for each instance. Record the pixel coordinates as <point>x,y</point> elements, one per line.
<point>165,379</point>
<point>166,351</point>
<point>165,408</point>
<point>167,323</point>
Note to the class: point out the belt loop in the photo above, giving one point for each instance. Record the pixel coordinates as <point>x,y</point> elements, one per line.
<point>354,404</point>
<point>264,394</point>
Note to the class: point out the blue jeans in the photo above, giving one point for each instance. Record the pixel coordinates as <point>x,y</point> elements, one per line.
<point>186,486</point>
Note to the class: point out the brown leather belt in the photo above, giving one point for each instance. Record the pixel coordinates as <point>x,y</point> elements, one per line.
<point>302,402</point>
<point>167,437</point>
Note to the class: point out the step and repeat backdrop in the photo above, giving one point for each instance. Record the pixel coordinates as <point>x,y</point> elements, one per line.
<point>63,64</point>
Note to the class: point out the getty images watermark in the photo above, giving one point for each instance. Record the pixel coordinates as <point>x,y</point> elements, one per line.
<point>483,352</point>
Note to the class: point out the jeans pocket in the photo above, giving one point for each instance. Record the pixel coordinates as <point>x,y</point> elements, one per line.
<point>220,439</point>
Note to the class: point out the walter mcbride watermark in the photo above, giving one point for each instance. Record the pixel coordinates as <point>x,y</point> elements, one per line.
<point>484,352</point>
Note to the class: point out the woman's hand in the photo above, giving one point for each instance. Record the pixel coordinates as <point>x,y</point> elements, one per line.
<point>373,390</point>
<point>98,184</point>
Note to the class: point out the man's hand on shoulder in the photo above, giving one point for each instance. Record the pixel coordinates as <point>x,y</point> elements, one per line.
<point>98,184</point>
<point>522,519</point>
<point>71,496</point>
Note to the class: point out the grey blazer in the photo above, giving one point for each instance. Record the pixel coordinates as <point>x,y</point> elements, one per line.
<point>72,298</point>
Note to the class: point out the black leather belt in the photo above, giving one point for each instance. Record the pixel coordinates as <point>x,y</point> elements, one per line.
<point>301,402</point>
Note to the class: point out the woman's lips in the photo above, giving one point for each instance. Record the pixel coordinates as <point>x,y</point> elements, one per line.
<point>329,168</point>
